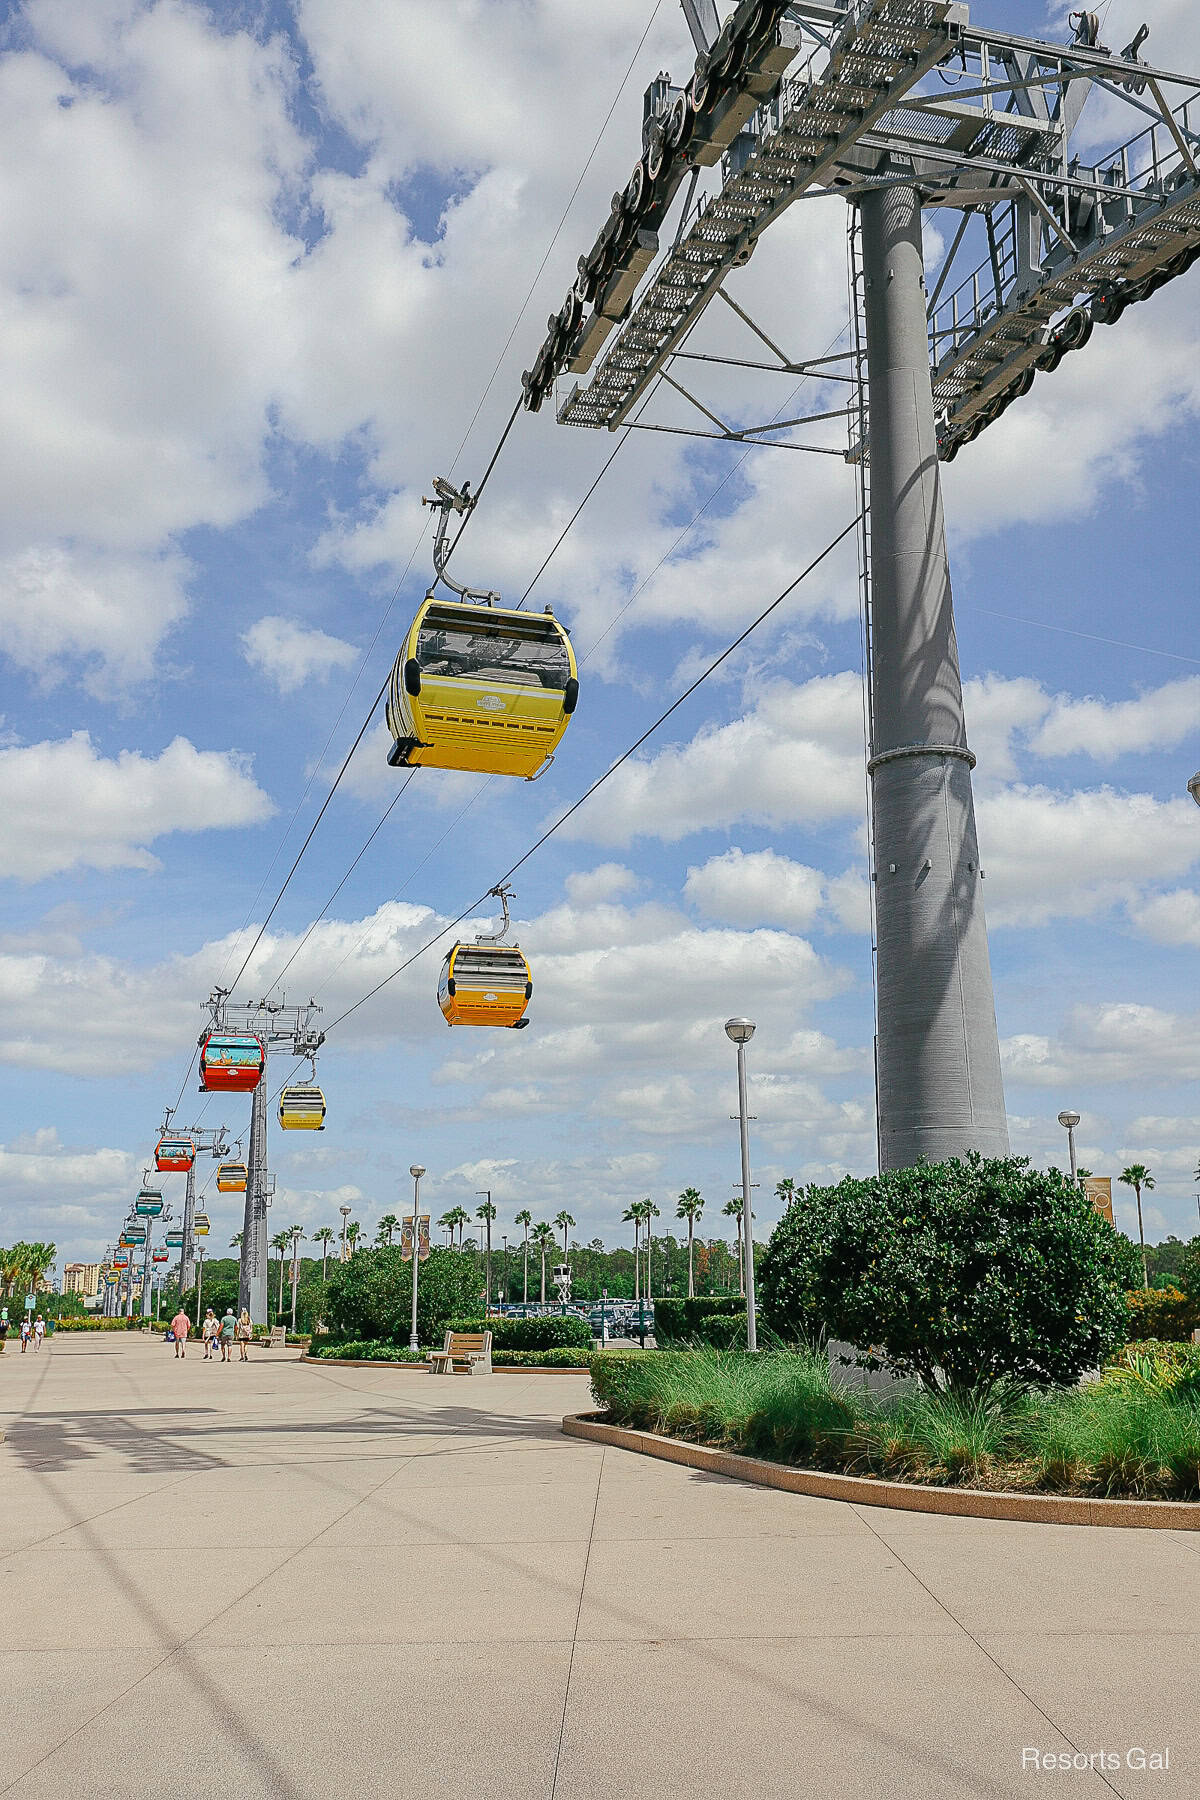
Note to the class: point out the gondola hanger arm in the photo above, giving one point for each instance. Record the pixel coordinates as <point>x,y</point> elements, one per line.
<point>503,894</point>
<point>448,499</point>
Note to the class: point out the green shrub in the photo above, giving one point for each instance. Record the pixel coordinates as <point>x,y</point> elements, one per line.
<point>1161,1313</point>
<point>93,1323</point>
<point>560,1358</point>
<point>980,1276</point>
<point>678,1323</point>
<point>370,1295</point>
<point>369,1350</point>
<point>552,1331</point>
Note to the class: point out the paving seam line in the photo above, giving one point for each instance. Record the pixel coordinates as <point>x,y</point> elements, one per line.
<point>178,1649</point>
<point>562,1724</point>
<point>987,1654</point>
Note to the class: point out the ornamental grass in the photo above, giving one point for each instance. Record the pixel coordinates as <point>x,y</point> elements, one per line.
<point>1128,1434</point>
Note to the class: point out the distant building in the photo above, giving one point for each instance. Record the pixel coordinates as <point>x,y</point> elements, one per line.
<point>82,1278</point>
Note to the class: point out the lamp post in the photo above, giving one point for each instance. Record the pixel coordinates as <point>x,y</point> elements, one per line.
<point>345,1212</point>
<point>486,1193</point>
<point>504,1272</point>
<point>200,1253</point>
<point>296,1234</point>
<point>739,1032</point>
<point>1194,788</point>
<point>416,1171</point>
<point>1069,1120</point>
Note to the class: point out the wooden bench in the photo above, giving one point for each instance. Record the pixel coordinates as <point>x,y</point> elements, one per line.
<point>463,1353</point>
<point>278,1337</point>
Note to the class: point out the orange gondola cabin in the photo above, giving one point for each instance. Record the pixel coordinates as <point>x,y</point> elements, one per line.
<point>174,1155</point>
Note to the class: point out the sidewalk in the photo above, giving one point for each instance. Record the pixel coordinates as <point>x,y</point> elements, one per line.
<point>292,1583</point>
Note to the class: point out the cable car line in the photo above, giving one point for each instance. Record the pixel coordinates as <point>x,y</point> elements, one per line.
<point>341,884</point>
<point>599,782</point>
<point>366,656</point>
<point>308,840</point>
<point>557,232</point>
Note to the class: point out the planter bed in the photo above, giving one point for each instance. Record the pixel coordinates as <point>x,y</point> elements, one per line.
<point>974,1502</point>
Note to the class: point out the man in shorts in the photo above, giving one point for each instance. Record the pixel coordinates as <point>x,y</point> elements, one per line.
<point>228,1329</point>
<point>180,1326</point>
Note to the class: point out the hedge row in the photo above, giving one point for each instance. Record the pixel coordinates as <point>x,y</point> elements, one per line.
<point>716,1320</point>
<point>552,1331</point>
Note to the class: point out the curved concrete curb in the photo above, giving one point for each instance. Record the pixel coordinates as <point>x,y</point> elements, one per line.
<point>907,1496</point>
<point>367,1362</point>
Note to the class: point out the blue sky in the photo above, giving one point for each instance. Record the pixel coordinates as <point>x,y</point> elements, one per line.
<point>261,265</point>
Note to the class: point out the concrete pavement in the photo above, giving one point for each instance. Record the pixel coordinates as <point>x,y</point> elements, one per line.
<point>279,1580</point>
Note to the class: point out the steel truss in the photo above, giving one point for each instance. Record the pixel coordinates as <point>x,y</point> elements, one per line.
<point>836,100</point>
<point>277,1026</point>
<point>897,106</point>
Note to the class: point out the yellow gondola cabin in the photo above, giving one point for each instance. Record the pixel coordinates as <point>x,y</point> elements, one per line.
<point>484,688</point>
<point>302,1108</point>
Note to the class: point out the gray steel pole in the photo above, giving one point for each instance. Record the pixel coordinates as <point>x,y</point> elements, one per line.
<point>200,1284</point>
<point>939,1090</point>
<point>252,1275</point>
<point>747,1215</point>
<point>187,1255</point>
<point>416,1259</point>
<point>146,1267</point>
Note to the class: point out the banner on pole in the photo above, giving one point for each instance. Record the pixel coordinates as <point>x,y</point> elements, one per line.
<point>1098,1189</point>
<point>406,1237</point>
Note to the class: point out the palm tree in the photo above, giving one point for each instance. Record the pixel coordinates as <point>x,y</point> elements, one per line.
<point>453,1221</point>
<point>525,1218</point>
<point>564,1221</point>
<point>650,1212</point>
<point>235,1242</point>
<point>487,1213</point>
<point>324,1237</point>
<point>353,1233</point>
<point>543,1237</point>
<point>389,1225</point>
<point>690,1206</point>
<point>295,1235</point>
<point>1137,1176</point>
<point>279,1242</point>
<point>785,1192</point>
<point>633,1216</point>
<point>732,1209</point>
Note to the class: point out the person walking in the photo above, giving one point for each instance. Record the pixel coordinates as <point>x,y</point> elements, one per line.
<point>245,1331</point>
<point>208,1331</point>
<point>227,1328</point>
<point>26,1328</point>
<point>180,1326</point>
<point>3,1327</point>
<point>39,1331</point>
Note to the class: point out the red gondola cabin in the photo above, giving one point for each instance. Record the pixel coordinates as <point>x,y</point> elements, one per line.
<point>230,1064</point>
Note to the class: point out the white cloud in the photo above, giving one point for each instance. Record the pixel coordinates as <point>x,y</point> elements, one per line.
<point>1066,855</point>
<point>292,655</point>
<point>1114,1044</point>
<point>64,806</point>
<point>1108,729</point>
<point>106,610</point>
<point>60,1195</point>
<point>1172,918</point>
<point>795,758</point>
<point>142,271</point>
<point>758,887</point>
<point>586,886</point>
